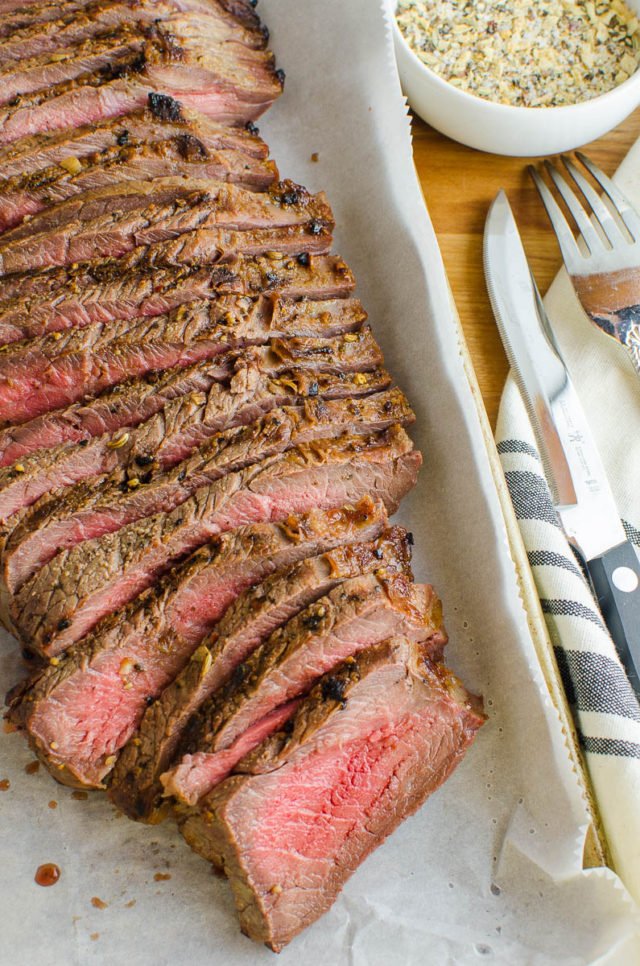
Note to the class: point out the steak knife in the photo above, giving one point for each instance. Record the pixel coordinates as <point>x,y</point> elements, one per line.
<point>572,465</point>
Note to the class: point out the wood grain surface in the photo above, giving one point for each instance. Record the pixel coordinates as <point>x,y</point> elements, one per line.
<point>459,185</point>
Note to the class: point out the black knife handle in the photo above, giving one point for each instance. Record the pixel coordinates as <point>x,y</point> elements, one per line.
<point>615,576</point>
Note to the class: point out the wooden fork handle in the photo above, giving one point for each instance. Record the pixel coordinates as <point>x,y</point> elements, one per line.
<point>612,301</point>
<point>624,326</point>
<point>616,581</point>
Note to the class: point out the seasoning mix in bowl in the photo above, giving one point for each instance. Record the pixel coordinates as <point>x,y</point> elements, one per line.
<point>529,53</point>
<point>519,77</point>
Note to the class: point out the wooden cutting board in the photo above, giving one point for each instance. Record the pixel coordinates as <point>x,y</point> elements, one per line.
<point>459,185</point>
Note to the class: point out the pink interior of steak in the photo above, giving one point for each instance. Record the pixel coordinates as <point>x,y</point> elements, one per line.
<point>298,818</point>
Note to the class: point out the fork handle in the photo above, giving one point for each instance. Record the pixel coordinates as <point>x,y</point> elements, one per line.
<point>615,576</point>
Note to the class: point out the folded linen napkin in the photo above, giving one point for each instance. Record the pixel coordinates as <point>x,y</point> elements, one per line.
<point>606,711</point>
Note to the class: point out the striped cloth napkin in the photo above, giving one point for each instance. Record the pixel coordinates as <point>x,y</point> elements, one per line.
<point>606,711</point>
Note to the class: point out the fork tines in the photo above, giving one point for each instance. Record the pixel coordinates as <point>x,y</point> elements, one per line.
<point>602,226</point>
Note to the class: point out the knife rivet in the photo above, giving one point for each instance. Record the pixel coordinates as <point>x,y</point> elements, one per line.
<point>625,579</point>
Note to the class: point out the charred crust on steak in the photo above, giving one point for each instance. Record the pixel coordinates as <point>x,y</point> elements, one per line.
<point>122,138</point>
<point>165,108</point>
<point>333,688</point>
<point>190,148</point>
<point>280,74</point>
<point>303,259</point>
<point>252,128</point>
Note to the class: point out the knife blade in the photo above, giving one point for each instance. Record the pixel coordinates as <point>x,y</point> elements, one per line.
<point>572,465</point>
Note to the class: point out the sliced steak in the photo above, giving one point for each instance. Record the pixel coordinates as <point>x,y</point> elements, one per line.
<point>66,598</point>
<point>103,505</point>
<point>16,15</point>
<point>136,400</point>
<point>63,235</point>
<point>48,69</point>
<point>182,155</point>
<point>39,375</point>
<point>361,753</point>
<point>153,201</point>
<point>161,118</point>
<point>33,304</point>
<point>83,707</point>
<point>135,786</point>
<point>73,26</point>
<point>233,86</point>
<point>353,616</point>
<point>21,480</point>
<point>174,431</point>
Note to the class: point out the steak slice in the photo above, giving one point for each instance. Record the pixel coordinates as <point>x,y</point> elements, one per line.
<point>20,481</point>
<point>136,400</point>
<point>73,26</point>
<point>71,232</point>
<point>18,15</point>
<point>233,86</point>
<point>181,155</point>
<point>103,505</point>
<point>84,706</point>
<point>161,118</point>
<point>47,69</point>
<point>153,201</point>
<point>174,432</point>
<point>361,753</point>
<point>135,786</point>
<point>356,614</point>
<point>33,304</point>
<point>53,371</point>
<point>67,597</point>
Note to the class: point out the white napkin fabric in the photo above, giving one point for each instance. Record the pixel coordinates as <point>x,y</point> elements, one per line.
<point>606,711</point>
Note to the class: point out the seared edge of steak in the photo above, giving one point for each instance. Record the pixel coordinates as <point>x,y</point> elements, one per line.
<point>184,155</point>
<point>154,201</point>
<point>70,26</point>
<point>234,86</point>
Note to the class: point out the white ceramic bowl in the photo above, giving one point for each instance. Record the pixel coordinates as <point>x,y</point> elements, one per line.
<point>501,128</point>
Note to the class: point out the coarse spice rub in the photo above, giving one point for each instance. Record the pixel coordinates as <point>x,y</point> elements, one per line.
<point>527,53</point>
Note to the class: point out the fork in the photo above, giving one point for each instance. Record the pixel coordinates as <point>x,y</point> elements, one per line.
<point>605,266</point>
